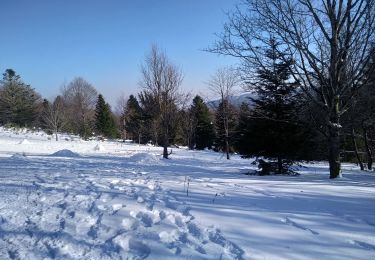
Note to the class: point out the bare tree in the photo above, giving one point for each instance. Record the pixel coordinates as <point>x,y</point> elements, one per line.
<point>120,111</point>
<point>223,83</point>
<point>162,80</point>
<point>80,99</point>
<point>329,41</point>
<point>54,116</point>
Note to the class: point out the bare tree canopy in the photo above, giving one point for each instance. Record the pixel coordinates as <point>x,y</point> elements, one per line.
<point>223,83</point>
<point>80,92</point>
<point>54,116</point>
<point>161,79</point>
<point>330,42</point>
<point>80,99</point>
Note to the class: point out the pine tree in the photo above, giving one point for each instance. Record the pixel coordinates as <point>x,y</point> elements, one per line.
<point>225,126</point>
<point>104,121</point>
<point>150,117</point>
<point>100,115</point>
<point>18,102</point>
<point>272,128</point>
<point>184,129</point>
<point>133,119</point>
<point>203,133</point>
<point>242,140</point>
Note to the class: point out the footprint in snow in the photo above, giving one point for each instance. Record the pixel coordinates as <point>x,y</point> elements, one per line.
<point>140,199</point>
<point>363,245</point>
<point>146,219</point>
<point>196,232</point>
<point>62,224</point>
<point>230,248</point>
<point>370,223</point>
<point>129,224</point>
<point>172,240</point>
<point>71,214</point>
<point>133,248</point>
<point>150,205</point>
<point>13,254</point>
<point>288,221</point>
<point>93,231</point>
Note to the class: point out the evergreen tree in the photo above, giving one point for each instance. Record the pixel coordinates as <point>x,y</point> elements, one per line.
<point>150,118</point>
<point>133,119</point>
<point>203,133</point>
<point>242,140</point>
<point>272,128</point>
<point>104,121</point>
<point>225,126</point>
<point>184,131</point>
<point>19,102</point>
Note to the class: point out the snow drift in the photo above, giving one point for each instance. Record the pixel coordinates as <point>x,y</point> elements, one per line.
<point>65,153</point>
<point>144,158</point>
<point>25,141</point>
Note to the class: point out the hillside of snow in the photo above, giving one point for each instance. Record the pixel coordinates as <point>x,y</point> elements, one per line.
<point>76,199</point>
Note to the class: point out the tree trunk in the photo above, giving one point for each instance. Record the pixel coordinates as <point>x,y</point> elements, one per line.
<point>226,128</point>
<point>356,149</point>
<point>57,138</point>
<point>165,152</point>
<point>227,147</point>
<point>125,135</point>
<point>334,148</point>
<point>368,149</point>
<point>156,141</point>
<point>280,164</point>
<point>165,146</point>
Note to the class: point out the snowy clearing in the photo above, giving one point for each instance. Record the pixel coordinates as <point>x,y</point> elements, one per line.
<point>77,199</point>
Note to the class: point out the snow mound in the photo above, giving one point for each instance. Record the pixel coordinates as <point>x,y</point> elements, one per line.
<point>145,158</point>
<point>24,141</point>
<point>99,147</point>
<point>65,153</point>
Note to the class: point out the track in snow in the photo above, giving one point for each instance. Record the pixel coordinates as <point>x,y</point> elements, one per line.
<point>97,208</point>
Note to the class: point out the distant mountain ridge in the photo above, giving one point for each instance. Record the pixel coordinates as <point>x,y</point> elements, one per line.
<point>235,100</point>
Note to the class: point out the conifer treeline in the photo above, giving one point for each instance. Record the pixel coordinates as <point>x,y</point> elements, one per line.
<point>275,123</point>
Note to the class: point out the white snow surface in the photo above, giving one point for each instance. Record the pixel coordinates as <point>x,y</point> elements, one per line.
<point>99,147</point>
<point>24,141</point>
<point>126,202</point>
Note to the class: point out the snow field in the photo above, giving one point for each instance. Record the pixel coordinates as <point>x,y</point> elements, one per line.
<point>69,200</point>
<point>77,210</point>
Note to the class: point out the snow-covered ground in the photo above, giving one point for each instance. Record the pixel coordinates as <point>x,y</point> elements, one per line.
<point>77,199</point>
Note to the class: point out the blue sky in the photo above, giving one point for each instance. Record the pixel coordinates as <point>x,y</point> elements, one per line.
<point>105,41</point>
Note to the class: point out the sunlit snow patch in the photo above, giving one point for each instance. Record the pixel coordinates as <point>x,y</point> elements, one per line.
<point>65,153</point>
<point>145,158</point>
<point>99,147</point>
<point>24,141</point>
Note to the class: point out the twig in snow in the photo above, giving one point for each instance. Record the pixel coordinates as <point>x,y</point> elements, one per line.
<point>213,200</point>
<point>222,194</point>
<point>188,184</point>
